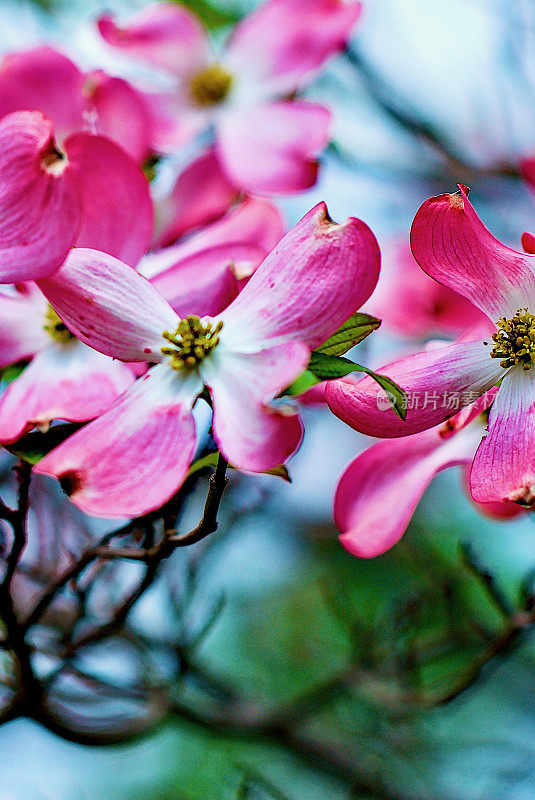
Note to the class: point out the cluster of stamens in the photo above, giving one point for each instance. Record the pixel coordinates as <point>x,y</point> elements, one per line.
<point>211,85</point>
<point>192,342</point>
<point>56,328</point>
<point>514,342</point>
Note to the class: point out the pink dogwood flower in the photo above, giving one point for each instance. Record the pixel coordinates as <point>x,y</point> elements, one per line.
<point>64,380</point>
<point>90,193</point>
<point>45,80</point>
<point>379,490</point>
<point>266,142</point>
<point>136,455</point>
<point>452,245</point>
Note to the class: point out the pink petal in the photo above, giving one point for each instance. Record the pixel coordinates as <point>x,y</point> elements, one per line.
<point>40,210</point>
<point>164,34</point>
<point>69,382</point>
<point>275,154</point>
<point>109,306</point>
<point>117,206</point>
<point>134,457</point>
<point>204,283</point>
<point>119,112</point>
<point>175,120</point>
<point>452,245</point>
<point>311,283</point>
<point>504,466</point>
<point>379,491</point>
<point>21,324</point>
<point>307,33</point>
<point>528,242</point>
<point>410,302</point>
<point>250,433</point>
<point>43,80</point>
<point>494,510</point>
<point>528,171</point>
<point>256,223</point>
<point>201,194</point>
<point>438,383</point>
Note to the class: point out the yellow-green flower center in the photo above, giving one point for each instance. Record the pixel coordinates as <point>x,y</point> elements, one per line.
<point>514,341</point>
<point>56,328</point>
<point>211,85</point>
<point>192,342</point>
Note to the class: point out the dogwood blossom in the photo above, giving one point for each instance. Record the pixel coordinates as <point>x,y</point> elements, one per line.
<point>89,193</point>
<point>452,245</point>
<point>379,490</point>
<point>265,141</point>
<point>136,455</point>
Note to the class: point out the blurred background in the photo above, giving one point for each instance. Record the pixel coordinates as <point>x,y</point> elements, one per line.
<point>388,676</point>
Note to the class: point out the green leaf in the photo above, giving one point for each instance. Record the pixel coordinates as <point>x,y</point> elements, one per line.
<point>326,367</point>
<point>211,14</point>
<point>353,331</point>
<point>11,372</point>
<point>35,446</point>
<point>304,382</point>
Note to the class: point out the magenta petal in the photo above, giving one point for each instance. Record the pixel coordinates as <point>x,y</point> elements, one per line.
<point>119,112</point>
<point>252,434</point>
<point>283,43</point>
<point>21,324</point>
<point>379,491</point>
<point>40,210</point>
<point>438,383</point>
<point>277,154</point>
<point>109,306</point>
<point>204,283</point>
<point>201,194</point>
<point>134,457</point>
<point>43,80</point>
<point>164,34</point>
<point>504,466</point>
<point>117,207</point>
<point>70,382</point>
<point>311,283</point>
<point>452,245</point>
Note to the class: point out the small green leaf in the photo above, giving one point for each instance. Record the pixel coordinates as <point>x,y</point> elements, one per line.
<point>211,13</point>
<point>304,382</point>
<point>34,446</point>
<point>327,367</point>
<point>11,372</point>
<point>353,331</point>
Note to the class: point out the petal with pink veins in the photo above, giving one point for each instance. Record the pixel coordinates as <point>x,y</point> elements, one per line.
<point>202,193</point>
<point>69,382</point>
<point>40,207</point>
<point>109,306</point>
<point>273,148</point>
<point>316,277</point>
<point>438,383</point>
<point>379,491</point>
<point>21,324</point>
<point>133,458</point>
<point>118,216</point>
<point>164,34</point>
<point>452,245</point>
<point>504,466</point>
<point>307,33</point>
<point>495,510</point>
<point>251,432</point>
